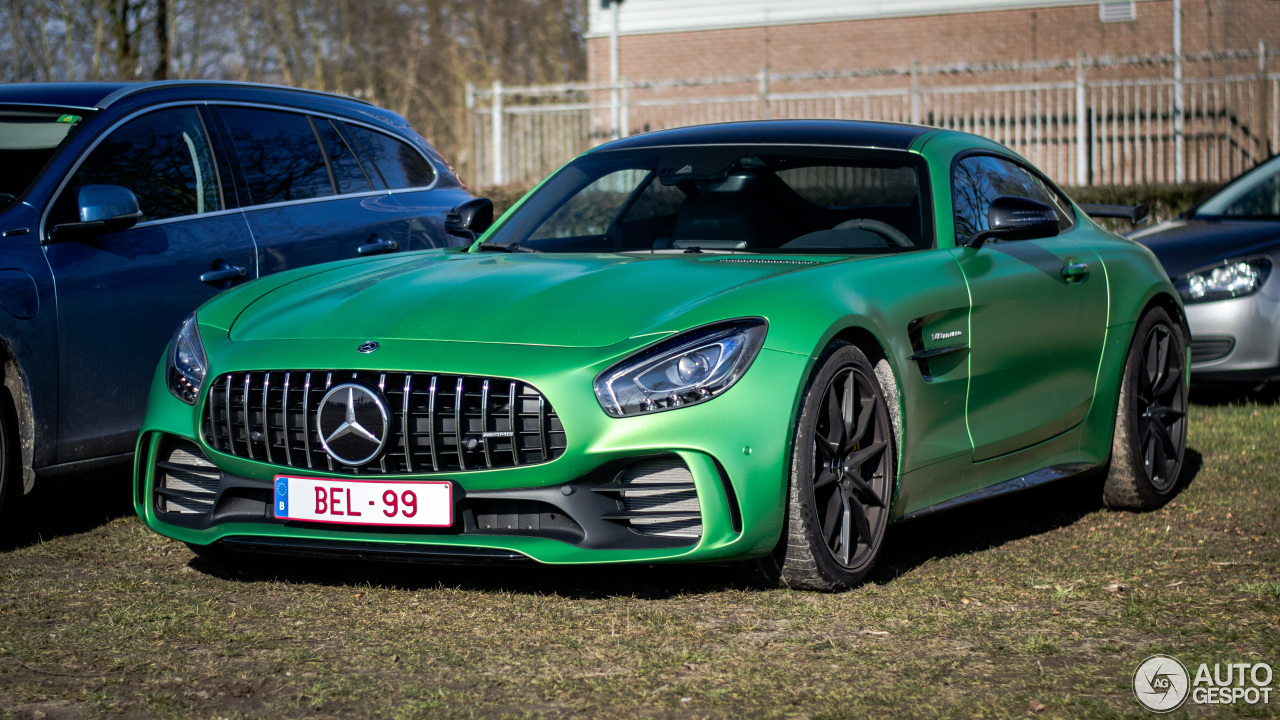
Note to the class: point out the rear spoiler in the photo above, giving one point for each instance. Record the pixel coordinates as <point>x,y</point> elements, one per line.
<point>1133,213</point>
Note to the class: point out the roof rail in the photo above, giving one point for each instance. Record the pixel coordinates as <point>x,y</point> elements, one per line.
<point>133,88</point>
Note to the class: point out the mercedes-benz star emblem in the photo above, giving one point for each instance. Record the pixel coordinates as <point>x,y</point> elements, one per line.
<point>352,421</point>
<point>369,347</point>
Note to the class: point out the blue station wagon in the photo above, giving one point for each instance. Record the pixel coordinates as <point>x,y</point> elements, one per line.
<point>123,206</point>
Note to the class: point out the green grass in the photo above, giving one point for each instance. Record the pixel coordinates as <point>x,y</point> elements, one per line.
<point>983,613</point>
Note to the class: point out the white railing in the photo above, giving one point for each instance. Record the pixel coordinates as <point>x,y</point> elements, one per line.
<point>1086,121</point>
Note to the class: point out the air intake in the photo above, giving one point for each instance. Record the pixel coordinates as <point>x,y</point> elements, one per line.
<point>186,482</point>
<point>1208,349</point>
<point>657,497</point>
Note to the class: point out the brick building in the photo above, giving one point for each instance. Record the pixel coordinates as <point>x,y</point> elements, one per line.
<point>1089,91</point>
<point>668,39</point>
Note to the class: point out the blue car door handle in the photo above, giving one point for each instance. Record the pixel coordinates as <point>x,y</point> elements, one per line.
<point>231,272</point>
<point>375,245</point>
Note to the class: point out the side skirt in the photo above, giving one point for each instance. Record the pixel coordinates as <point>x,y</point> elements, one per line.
<point>111,462</point>
<point>1039,477</point>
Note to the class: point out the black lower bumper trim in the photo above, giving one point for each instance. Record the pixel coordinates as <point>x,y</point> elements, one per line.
<point>380,552</point>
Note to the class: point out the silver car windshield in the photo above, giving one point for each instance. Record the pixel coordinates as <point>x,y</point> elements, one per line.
<point>1256,194</point>
<point>28,138</point>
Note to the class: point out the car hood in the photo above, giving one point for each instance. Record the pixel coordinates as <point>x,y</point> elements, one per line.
<point>1184,245</point>
<point>525,299</point>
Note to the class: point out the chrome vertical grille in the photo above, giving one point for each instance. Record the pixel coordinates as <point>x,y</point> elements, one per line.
<point>439,423</point>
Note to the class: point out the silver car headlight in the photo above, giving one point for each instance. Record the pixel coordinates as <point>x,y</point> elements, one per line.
<point>1232,279</point>
<point>187,362</point>
<point>684,370</point>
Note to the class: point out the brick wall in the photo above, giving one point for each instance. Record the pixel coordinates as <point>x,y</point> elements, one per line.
<point>978,37</point>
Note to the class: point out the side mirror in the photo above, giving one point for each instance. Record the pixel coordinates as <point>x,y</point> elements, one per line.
<point>1015,218</point>
<point>470,218</point>
<point>103,209</point>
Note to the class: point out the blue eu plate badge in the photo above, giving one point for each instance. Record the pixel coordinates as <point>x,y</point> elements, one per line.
<point>282,497</point>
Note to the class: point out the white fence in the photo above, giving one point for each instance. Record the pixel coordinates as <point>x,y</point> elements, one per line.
<point>1087,121</point>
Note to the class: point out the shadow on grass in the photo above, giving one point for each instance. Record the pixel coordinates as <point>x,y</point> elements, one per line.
<point>994,522</point>
<point>65,506</point>
<point>1216,395</point>
<point>956,532</point>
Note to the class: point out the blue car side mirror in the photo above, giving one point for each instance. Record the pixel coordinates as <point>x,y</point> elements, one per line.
<point>103,209</point>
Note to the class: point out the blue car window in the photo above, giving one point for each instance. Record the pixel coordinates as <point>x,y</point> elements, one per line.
<point>163,157</point>
<point>279,153</point>
<point>397,162</point>
<point>351,178</point>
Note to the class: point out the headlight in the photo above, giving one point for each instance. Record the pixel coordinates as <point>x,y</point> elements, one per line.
<point>685,370</point>
<point>187,362</point>
<point>1229,280</point>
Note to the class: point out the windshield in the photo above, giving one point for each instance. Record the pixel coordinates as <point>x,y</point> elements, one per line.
<point>726,199</point>
<point>1256,194</point>
<point>28,138</point>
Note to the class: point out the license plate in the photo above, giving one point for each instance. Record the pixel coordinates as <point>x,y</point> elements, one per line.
<point>364,502</point>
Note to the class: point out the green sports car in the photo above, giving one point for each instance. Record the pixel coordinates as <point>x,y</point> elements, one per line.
<point>756,342</point>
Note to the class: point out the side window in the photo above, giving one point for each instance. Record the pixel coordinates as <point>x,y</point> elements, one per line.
<point>979,179</point>
<point>346,168</point>
<point>591,211</point>
<point>399,164</point>
<point>163,157</point>
<point>279,153</point>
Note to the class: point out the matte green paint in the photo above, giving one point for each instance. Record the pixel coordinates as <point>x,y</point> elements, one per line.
<point>1037,388</point>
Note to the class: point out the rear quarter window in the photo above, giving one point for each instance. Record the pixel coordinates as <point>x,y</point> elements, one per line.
<point>398,163</point>
<point>279,154</point>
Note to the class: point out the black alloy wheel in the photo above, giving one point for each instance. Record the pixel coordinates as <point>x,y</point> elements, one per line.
<point>1150,438</point>
<point>850,476</point>
<point>1162,409</point>
<point>843,462</point>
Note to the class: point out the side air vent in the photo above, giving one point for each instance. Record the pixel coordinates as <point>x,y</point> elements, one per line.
<point>186,482</point>
<point>657,497</point>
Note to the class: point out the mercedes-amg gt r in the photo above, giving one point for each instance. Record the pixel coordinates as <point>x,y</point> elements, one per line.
<point>758,341</point>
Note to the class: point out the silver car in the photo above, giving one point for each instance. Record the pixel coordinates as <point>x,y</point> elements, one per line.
<point>1221,255</point>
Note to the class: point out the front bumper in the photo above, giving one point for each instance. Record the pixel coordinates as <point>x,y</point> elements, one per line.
<point>1237,339</point>
<point>735,448</point>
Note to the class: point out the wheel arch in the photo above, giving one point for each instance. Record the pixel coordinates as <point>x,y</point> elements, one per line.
<point>17,383</point>
<point>862,336</point>
<point>1170,305</point>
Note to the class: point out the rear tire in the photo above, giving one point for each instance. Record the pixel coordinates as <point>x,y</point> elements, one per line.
<point>1151,422</point>
<point>842,469</point>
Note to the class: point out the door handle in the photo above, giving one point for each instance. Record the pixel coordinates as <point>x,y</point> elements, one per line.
<point>1075,270</point>
<point>375,245</point>
<point>231,272</point>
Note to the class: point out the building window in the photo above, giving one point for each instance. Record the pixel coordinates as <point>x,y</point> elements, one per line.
<point>1109,11</point>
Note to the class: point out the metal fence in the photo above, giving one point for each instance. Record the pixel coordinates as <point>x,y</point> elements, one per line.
<point>1085,121</point>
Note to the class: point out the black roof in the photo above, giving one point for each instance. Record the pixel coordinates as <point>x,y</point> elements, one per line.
<point>848,133</point>
<point>103,94</point>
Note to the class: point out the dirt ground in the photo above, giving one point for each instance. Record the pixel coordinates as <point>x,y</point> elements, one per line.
<point>1040,604</point>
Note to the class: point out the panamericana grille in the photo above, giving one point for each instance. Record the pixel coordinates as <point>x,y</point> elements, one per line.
<point>438,423</point>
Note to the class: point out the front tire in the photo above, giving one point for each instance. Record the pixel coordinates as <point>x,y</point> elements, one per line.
<point>1151,423</point>
<point>842,470</point>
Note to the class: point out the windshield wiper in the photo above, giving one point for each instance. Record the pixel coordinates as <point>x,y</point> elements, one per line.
<point>499,247</point>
